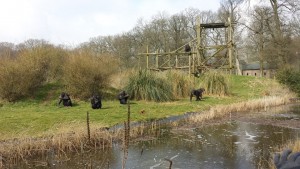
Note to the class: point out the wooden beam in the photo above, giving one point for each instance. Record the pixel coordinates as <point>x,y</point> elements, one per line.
<point>213,47</point>
<point>168,53</point>
<point>182,67</point>
<point>214,25</point>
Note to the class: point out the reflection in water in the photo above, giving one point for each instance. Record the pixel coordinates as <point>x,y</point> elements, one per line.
<point>224,146</point>
<point>233,145</point>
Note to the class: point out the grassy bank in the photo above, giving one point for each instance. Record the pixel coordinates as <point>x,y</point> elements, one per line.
<point>37,126</point>
<point>40,116</point>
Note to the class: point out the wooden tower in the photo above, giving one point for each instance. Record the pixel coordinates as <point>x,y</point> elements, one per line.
<point>201,57</point>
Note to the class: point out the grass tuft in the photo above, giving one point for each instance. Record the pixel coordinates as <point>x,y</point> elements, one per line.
<point>146,85</point>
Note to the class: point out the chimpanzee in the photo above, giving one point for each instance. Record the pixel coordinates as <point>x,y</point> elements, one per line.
<point>287,160</point>
<point>197,93</point>
<point>96,102</point>
<point>123,96</point>
<point>65,98</point>
<point>187,48</point>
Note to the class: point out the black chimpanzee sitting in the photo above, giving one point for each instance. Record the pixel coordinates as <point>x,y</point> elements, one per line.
<point>187,48</point>
<point>96,102</point>
<point>198,93</point>
<point>123,96</point>
<point>65,98</point>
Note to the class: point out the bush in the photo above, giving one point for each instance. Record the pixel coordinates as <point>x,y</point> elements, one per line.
<point>291,78</point>
<point>215,82</point>
<point>21,76</point>
<point>146,85</point>
<point>85,74</point>
<point>55,57</point>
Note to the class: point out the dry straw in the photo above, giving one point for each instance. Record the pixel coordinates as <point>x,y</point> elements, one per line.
<point>222,110</point>
<point>76,141</point>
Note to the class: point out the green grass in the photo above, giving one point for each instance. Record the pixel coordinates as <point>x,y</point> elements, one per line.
<point>40,115</point>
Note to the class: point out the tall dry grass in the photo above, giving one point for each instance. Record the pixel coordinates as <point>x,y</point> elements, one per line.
<point>72,139</point>
<point>120,78</point>
<point>181,84</point>
<point>64,143</point>
<point>215,83</point>
<point>223,110</point>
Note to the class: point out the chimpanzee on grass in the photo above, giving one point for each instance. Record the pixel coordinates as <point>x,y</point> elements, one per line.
<point>65,98</point>
<point>198,93</point>
<point>123,96</point>
<point>96,102</point>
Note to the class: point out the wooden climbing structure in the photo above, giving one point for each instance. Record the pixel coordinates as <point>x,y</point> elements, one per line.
<point>201,57</point>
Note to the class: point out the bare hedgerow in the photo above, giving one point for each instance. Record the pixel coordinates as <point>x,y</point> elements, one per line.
<point>21,76</point>
<point>85,73</point>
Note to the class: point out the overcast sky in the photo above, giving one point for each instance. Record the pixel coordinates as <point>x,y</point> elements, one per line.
<point>71,22</point>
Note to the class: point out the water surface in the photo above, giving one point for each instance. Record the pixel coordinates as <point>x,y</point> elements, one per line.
<point>232,145</point>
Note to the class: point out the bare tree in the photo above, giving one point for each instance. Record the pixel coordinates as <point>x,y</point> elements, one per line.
<point>7,50</point>
<point>231,9</point>
<point>278,27</point>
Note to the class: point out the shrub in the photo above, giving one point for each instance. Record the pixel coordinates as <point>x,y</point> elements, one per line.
<point>291,78</point>
<point>55,57</point>
<point>215,82</point>
<point>85,73</point>
<point>21,76</point>
<point>146,85</point>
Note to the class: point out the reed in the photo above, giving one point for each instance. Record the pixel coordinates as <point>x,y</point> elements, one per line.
<point>223,110</point>
<point>181,84</point>
<point>146,85</point>
<point>16,150</point>
<point>73,141</point>
<point>215,83</point>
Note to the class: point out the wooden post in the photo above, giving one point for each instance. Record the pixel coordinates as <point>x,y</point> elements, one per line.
<point>156,58</point>
<point>193,56</point>
<point>230,43</point>
<point>176,62</point>
<point>88,126</point>
<point>147,57</point>
<point>169,55</point>
<point>194,67</point>
<point>198,46</point>
<point>190,65</point>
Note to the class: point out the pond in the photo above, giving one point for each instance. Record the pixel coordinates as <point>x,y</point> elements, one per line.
<point>234,144</point>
